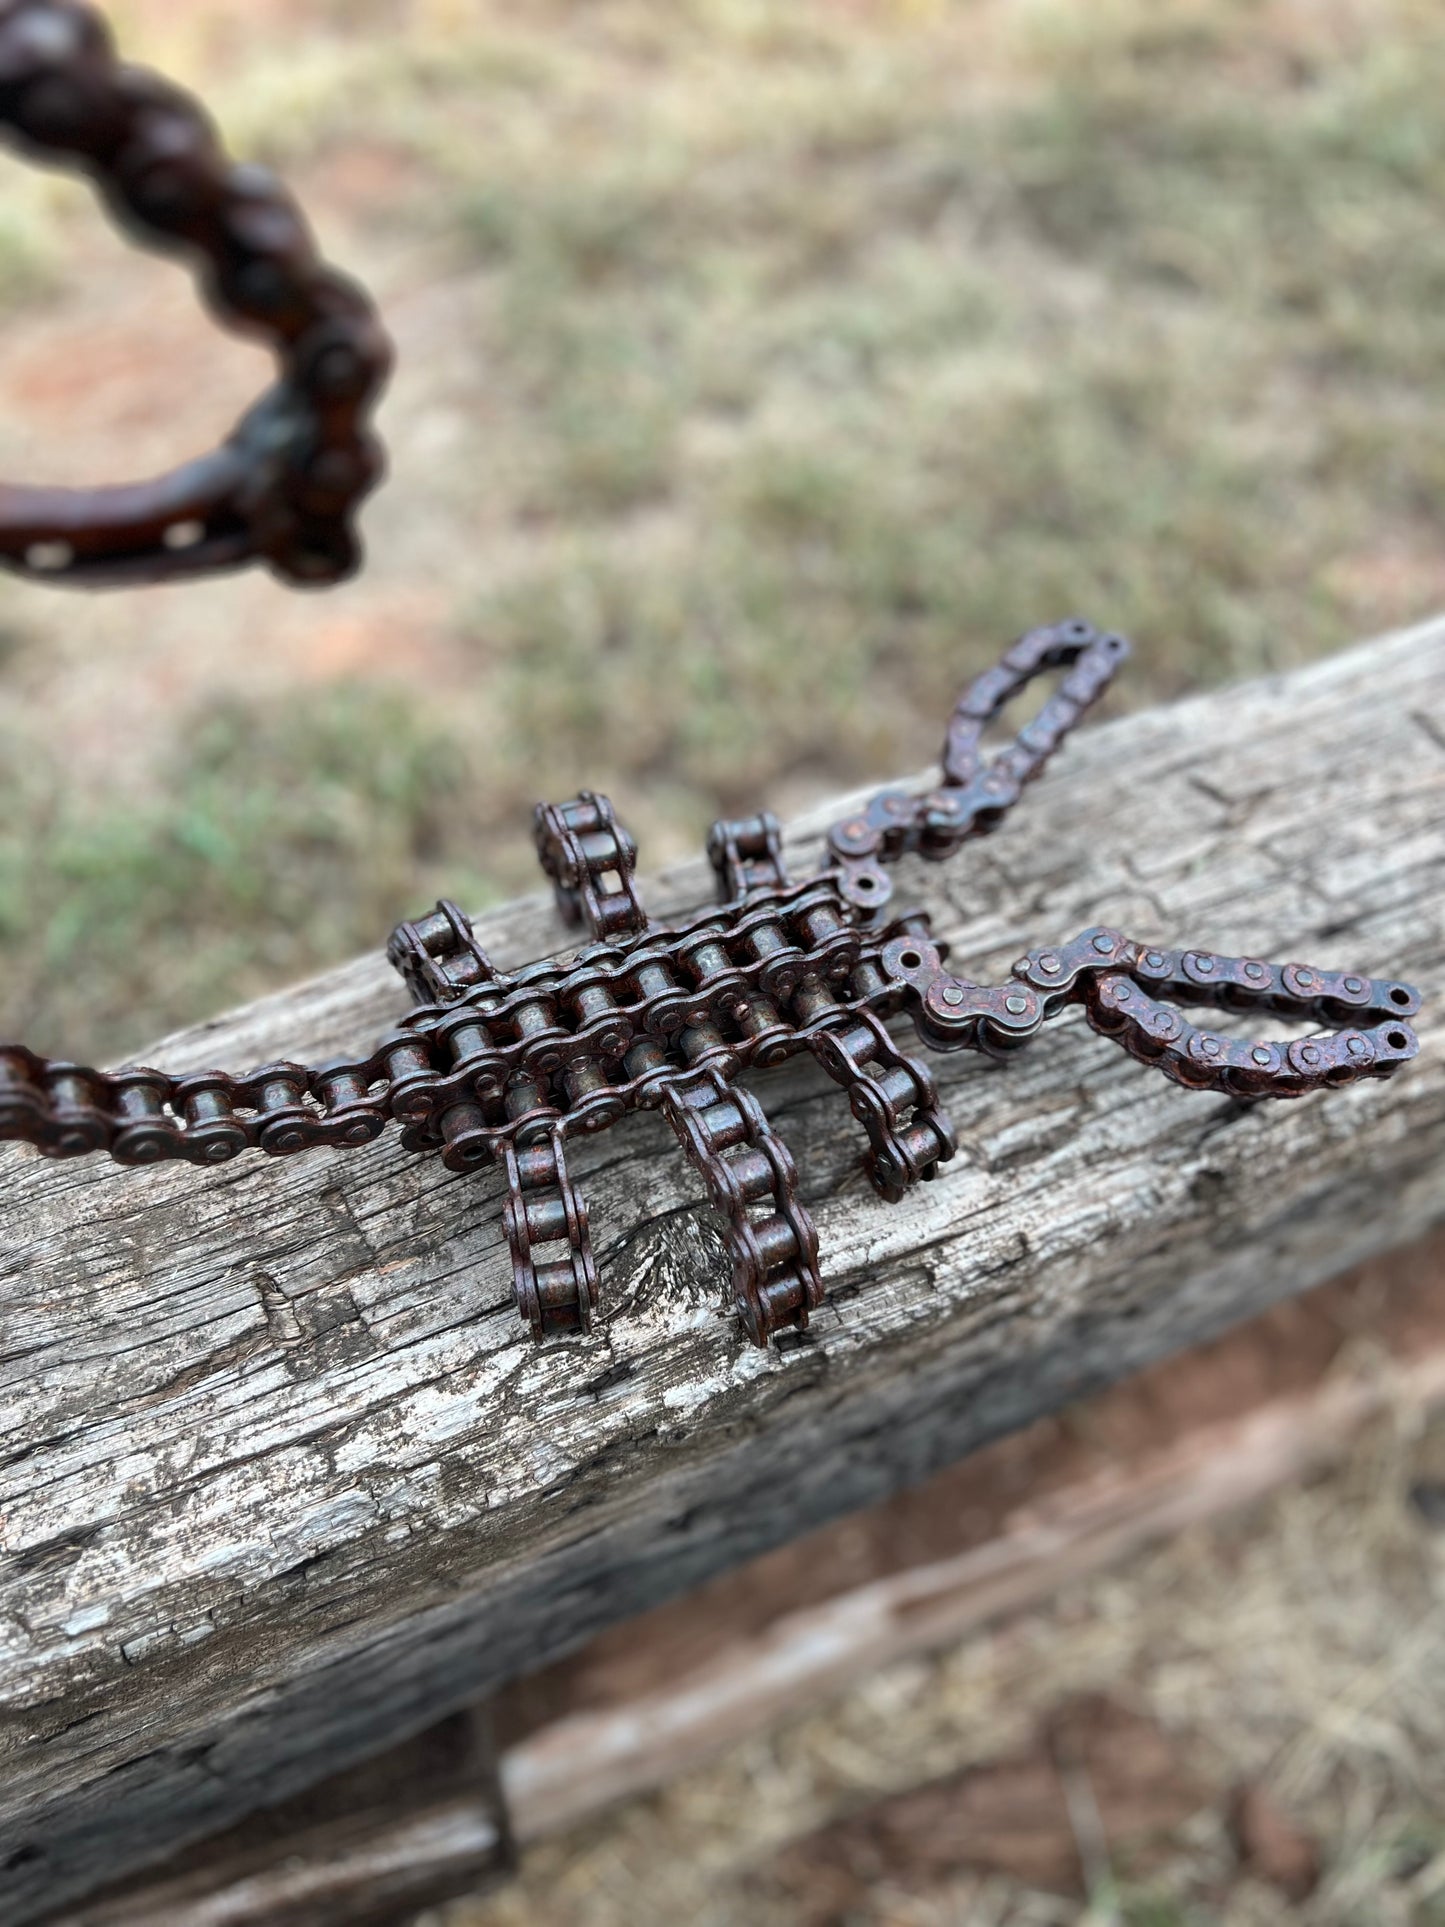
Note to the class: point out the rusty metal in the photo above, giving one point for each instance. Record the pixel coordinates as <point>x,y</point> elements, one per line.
<point>495,1068</point>
<point>285,484</point>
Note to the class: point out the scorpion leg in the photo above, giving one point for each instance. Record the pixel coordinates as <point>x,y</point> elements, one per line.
<point>556,1290</point>
<point>893,1097</point>
<point>438,956</point>
<point>591,859</point>
<point>558,1294</point>
<point>751,1177</point>
<point>747,854</point>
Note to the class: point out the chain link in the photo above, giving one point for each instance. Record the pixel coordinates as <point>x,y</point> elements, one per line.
<point>284,487</point>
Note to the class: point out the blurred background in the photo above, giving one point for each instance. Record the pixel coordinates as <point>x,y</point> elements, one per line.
<point>763,369</point>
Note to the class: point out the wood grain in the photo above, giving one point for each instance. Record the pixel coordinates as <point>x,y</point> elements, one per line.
<point>284,1481</point>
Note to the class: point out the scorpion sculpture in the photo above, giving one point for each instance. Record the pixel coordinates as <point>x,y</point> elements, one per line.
<point>497,1068</point>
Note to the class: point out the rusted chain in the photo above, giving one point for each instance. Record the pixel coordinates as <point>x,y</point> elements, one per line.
<point>283,488</point>
<point>503,1068</point>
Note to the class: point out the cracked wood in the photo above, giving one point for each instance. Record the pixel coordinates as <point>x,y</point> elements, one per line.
<point>284,1481</point>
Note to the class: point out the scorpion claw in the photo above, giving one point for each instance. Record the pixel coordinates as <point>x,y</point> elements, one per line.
<point>1366,1032</point>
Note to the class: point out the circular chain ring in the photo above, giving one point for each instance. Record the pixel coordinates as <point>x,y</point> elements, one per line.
<point>284,486</point>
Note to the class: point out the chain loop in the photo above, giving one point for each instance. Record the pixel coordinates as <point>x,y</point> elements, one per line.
<point>284,486</point>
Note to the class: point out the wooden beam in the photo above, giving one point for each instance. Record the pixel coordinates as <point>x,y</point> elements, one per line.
<point>1199,1436</point>
<point>284,1481</point>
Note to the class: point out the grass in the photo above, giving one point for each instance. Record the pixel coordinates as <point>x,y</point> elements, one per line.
<point>237,878</point>
<point>822,350</point>
<point>916,367</point>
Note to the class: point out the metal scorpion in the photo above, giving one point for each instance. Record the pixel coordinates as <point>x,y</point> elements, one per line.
<point>495,1068</point>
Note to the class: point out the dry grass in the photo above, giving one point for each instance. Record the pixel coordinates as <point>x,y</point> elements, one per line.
<point>763,370</point>
<point>1302,1648</point>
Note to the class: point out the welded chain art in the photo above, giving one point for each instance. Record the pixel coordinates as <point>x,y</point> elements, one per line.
<point>504,1069</point>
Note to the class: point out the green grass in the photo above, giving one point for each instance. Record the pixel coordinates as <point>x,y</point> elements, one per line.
<point>239,877</point>
<point>825,349</point>
<point>870,369</point>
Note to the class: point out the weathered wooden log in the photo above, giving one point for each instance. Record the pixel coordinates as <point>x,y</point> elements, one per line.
<point>285,1481</point>
<point>1001,1532</point>
<point>1276,1400</point>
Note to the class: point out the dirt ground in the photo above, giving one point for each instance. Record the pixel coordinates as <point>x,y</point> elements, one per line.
<point>762,371</point>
